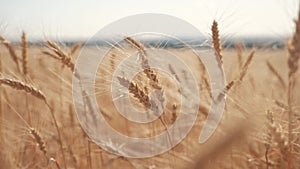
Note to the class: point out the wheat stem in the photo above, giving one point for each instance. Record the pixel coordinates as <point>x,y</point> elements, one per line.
<point>58,133</point>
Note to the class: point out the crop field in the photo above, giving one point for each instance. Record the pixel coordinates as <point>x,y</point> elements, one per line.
<point>40,126</point>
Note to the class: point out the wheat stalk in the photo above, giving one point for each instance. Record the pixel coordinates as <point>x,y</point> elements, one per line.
<point>269,137</point>
<point>37,137</point>
<point>19,85</point>
<point>281,104</point>
<point>74,49</point>
<point>151,75</point>
<point>239,50</point>
<point>11,51</point>
<point>51,55</point>
<point>242,74</point>
<point>141,94</point>
<point>142,51</point>
<point>293,61</point>
<point>139,46</point>
<point>218,49</point>
<point>276,74</point>
<point>25,67</point>
<point>154,82</point>
<point>59,55</point>
<point>276,139</point>
<point>235,82</point>
<point>246,65</point>
<point>24,54</point>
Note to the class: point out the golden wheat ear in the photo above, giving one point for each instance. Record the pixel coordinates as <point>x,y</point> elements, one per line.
<point>136,91</point>
<point>24,54</point>
<point>239,50</point>
<point>276,74</point>
<point>37,137</point>
<point>246,65</point>
<point>139,46</point>
<point>39,140</point>
<point>19,85</point>
<point>242,74</point>
<point>59,54</point>
<point>11,51</point>
<point>216,40</point>
<point>75,49</point>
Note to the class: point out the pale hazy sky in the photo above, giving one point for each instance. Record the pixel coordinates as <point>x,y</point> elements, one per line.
<point>83,18</point>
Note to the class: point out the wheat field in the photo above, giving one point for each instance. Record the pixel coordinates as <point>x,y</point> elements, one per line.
<point>39,127</point>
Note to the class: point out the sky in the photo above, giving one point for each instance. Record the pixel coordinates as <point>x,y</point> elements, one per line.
<point>81,19</point>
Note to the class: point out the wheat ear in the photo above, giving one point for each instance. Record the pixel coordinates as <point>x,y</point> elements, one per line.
<point>139,46</point>
<point>39,139</point>
<point>33,132</point>
<point>74,49</point>
<point>136,91</point>
<point>19,85</point>
<point>24,54</point>
<point>239,50</point>
<point>216,40</point>
<point>242,74</point>
<point>141,49</point>
<point>151,75</point>
<point>11,51</point>
<point>246,65</point>
<point>59,54</point>
<point>276,74</point>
